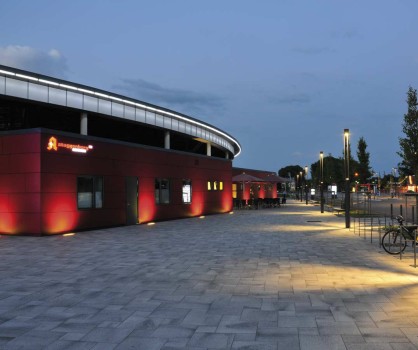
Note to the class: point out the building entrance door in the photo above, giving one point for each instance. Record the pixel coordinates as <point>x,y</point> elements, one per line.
<point>131,200</point>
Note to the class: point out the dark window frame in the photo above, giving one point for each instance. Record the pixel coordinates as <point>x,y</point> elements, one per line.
<point>95,201</point>
<point>158,192</point>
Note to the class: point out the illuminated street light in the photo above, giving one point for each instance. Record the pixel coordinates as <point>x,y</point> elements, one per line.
<point>347,176</point>
<point>321,179</point>
<point>301,186</point>
<point>306,183</point>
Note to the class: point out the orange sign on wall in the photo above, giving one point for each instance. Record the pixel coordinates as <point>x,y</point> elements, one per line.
<point>53,145</point>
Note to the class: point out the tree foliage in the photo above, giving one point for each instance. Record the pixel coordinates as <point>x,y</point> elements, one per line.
<point>291,170</point>
<point>363,165</point>
<point>333,170</point>
<point>409,144</point>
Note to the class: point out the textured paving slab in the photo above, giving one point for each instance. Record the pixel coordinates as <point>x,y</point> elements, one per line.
<point>287,278</point>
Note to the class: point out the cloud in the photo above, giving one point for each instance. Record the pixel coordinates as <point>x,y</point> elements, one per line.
<point>313,50</point>
<point>189,101</point>
<point>51,63</point>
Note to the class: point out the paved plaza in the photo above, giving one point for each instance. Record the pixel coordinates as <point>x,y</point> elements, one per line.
<point>286,278</point>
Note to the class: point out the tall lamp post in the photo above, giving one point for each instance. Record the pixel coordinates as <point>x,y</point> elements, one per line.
<point>306,184</point>
<point>301,186</point>
<point>297,186</point>
<point>347,176</point>
<point>321,179</point>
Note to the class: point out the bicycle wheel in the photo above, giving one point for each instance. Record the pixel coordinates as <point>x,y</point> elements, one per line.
<point>391,242</point>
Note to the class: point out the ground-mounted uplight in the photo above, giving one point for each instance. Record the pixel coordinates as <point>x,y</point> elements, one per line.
<point>231,212</point>
<point>151,223</point>
<point>201,217</point>
<point>70,234</point>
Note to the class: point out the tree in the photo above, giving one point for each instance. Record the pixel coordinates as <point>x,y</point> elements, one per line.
<point>409,144</point>
<point>290,170</point>
<point>363,165</point>
<point>333,171</point>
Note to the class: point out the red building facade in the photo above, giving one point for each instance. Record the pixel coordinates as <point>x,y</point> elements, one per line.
<point>56,180</point>
<point>267,186</point>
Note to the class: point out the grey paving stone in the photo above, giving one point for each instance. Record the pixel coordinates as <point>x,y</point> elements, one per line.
<point>252,345</point>
<point>266,279</point>
<point>172,332</point>
<point>135,343</point>
<point>321,342</point>
<point>232,324</point>
<point>210,340</point>
<point>107,335</point>
<point>71,344</point>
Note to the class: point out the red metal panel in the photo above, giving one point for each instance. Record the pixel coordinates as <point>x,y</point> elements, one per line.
<point>24,143</point>
<point>12,183</point>
<point>33,182</point>
<point>55,210</point>
<point>24,203</point>
<point>24,163</point>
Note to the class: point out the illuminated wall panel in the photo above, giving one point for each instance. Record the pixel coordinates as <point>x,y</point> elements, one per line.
<point>38,192</point>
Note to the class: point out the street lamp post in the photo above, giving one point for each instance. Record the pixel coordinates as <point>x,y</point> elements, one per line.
<point>301,186</point>
<point>321,179</point>
<point>347,176</point>
<point>297,186</point>
<point>306,184</point>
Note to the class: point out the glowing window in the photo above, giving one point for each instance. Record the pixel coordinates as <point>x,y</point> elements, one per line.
<point>234,190</point>
<point>215,185</point>
<point>221,185</point>
<point>89,192</point>
<point>187,191</point>
<point>209,186</point>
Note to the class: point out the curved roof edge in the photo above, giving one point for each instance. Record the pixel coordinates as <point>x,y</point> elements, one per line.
<point>32,77</point>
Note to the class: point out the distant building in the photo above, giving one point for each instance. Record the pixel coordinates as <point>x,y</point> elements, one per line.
<point>266,184</point>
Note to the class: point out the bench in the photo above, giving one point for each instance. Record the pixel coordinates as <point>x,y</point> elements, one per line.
<point>335,209</point>
<point>338,210</point>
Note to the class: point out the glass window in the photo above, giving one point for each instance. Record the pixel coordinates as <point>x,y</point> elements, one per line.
<point>187,191</point>
<point>234,190</point>
<point>209,186</point>
<point>89,192</point>
<point>98,192</point>
<point>157,191</point>
<point>215,185</point>
<point>221,185</point>
<point>162,191</point>
<point>85,192</point>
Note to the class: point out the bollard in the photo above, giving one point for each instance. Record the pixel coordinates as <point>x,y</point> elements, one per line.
<point>400,210</point>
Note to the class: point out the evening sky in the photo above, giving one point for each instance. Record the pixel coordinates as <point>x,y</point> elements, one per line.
<point>284,77</point>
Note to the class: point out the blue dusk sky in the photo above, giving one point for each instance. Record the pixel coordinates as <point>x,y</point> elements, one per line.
<point>284,77</point>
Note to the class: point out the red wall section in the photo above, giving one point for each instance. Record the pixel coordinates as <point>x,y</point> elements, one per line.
<point>20,199</point>
<point>114,161</point>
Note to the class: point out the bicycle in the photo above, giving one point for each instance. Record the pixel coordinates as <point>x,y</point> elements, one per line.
<point>394,241</point>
